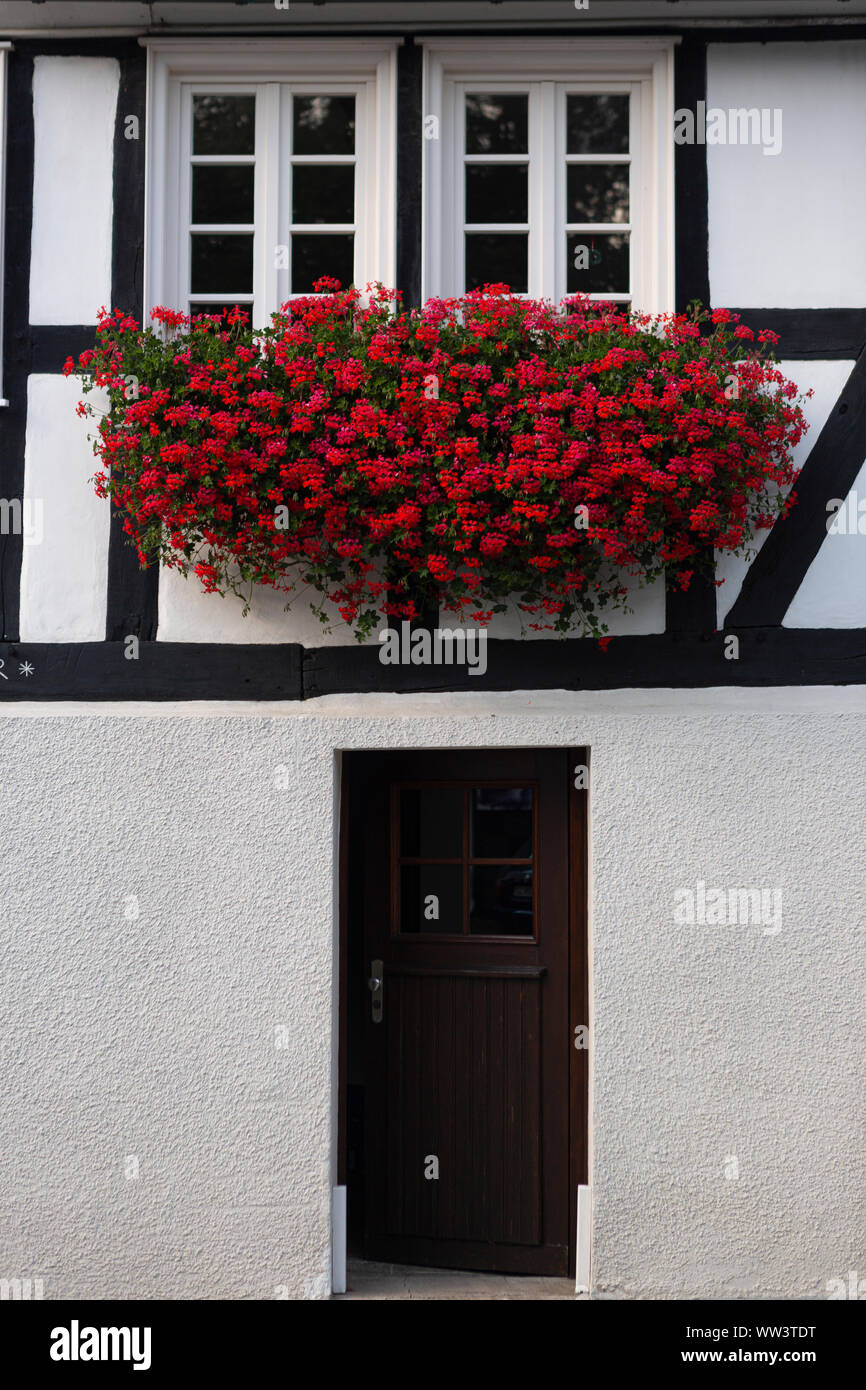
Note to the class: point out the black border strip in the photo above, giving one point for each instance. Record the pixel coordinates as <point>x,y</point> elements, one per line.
<point>161,671</point>
<point>781,565</point>
<point>805,334</point>
<point>773,656</point>
<point>133,592</point>
<point>692,609</point>
<point>767,656</point>
<point>410,134</point>
<point>16,338</point>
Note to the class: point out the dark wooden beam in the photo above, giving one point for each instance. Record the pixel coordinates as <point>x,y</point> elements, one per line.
<point>830,470</point>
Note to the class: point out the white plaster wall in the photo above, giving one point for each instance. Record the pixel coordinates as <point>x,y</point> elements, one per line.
<point>64,579</point>
<point>74,104</point>
<point>831,599</point>
<point>779,235</point>
<point>155,1036</point>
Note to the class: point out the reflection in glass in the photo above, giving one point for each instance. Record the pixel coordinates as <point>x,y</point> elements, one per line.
<point>497,124</point>
<point>324,125</point>
<point>597,124</point>
<point>501,823</point>
<point>598,193</point>
<point>223,124</point>
<point>431,898</point>
<point>501,900</point>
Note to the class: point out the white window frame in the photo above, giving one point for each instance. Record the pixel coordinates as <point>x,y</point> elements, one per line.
<point>272,68</point>
<point>5,47</point>
<point>547,69</point>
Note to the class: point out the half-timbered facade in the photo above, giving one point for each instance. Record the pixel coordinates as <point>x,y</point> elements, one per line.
<point>223,831</point>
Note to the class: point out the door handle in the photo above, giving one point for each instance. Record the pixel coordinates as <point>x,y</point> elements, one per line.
<point>374,984</point>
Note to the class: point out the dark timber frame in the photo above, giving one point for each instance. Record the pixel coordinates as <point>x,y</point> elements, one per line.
<point>690,653</point>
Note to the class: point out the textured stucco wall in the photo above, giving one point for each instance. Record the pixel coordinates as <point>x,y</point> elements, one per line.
<point>157,1036</point>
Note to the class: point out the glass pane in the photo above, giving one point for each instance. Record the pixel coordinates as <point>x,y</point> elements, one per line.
<point>323,193</point>
<point>501,823</point>
<point>598,263</point>
<point>431,822</point>
<point>497,193</point>
<point>597,193</point>
<point>314,255</point>
<point>431,898</point>
<point>324,125</point>
<point>597,124</point>
<point>223,124</point>
<point>222,192</point>
<point>500,901</point>
<point>222,263</point>
<point>497,258</point>
<point>497,124</point>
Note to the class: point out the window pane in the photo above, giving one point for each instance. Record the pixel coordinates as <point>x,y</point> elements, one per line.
<point>497,258</point>
<point>501,823</point>
<point>222,192</point>
<point>431,822</point>
<point>431,898</point>
<point>597,193</point>
<point>324,125</point>
<point>323,193</point>
<point>223,124</point>
<point>597,124</point>
<point>497,124</point>
<point>222,263</point>
<point>314,255</point>
<point>500,901</point>
<point>598,263</point>
<point>497,193</point>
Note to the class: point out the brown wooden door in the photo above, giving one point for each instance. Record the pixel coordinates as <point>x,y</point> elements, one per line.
<point>467,1072</point>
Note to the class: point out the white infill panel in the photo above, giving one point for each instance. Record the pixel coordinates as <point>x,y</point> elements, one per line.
<point>64,571</point>
<point>74,105</point>
<point>787,174</point>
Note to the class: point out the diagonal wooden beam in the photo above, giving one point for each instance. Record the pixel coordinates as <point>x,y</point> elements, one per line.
<point>830,470</point>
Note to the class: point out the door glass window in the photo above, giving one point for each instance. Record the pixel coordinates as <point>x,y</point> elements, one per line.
<point>465,860</point>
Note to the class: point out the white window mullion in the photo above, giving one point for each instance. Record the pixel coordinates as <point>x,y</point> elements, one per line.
<point>543,167</point>
<point>183,242</point>
<point>266,290</point>
<point>365,180</point>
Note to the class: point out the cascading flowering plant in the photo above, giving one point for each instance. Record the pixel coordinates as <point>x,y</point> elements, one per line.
<point>460,455</point>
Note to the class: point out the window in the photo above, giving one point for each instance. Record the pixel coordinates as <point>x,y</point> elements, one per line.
<point>549,167</point>
<point>465,860</point>
<point>268,168</point>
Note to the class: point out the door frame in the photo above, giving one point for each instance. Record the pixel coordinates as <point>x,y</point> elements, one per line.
<point>578,929</point>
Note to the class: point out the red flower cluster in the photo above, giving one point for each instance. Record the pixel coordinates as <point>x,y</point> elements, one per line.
<point>461,454</point>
